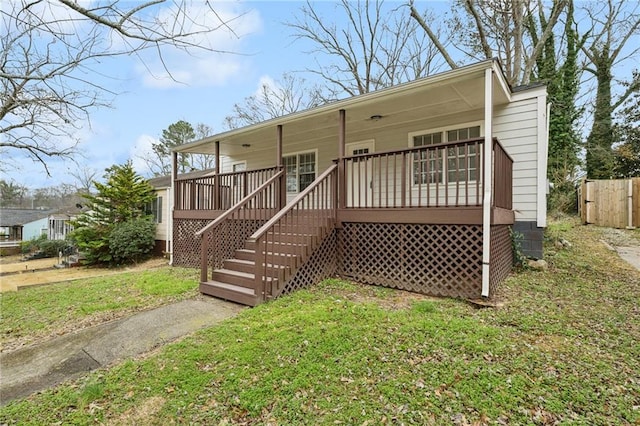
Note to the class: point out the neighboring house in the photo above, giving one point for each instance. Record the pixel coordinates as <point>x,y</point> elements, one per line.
<point>17,225</point>
<point>59,224</point>
<point>414,187</point>
<point>161,208</point>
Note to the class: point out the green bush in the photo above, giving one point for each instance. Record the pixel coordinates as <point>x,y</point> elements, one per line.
<point>32,245</point>
<point>132,241</point>
<point>51,248</point>
<point>93,242</point>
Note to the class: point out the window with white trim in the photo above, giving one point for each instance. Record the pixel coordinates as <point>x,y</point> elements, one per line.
<point>429,167</point>
<point>239,167</point>
<point>300,169</point>
<point>154,208</point>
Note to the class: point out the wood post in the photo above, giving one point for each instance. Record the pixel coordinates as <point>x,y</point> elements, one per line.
<point>174,175</point>
<point>282,187</point>
<point>216,180</point>
<point>342,182</point>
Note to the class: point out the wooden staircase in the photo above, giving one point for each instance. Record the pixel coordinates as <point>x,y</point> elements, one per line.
<point>255,269</point>
<point>236,280</point>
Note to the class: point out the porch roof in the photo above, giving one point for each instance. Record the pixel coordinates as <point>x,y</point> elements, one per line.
<point>451,92</point>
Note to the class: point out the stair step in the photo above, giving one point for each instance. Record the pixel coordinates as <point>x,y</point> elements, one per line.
<point>230,292</point>
<point>278,247</point>
<point>243,279</point>
<point>242,265</point>
<point>246,254</point>
<point>291,237</point>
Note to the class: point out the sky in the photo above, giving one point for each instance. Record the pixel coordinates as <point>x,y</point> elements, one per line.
<point>208,87</point>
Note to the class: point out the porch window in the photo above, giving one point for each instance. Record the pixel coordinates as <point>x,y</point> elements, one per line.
<point>457,157</point>
<point>429,167</point>
<point>301,170</point>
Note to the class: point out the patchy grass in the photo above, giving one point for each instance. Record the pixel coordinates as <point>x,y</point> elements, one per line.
<point>34,313</point>
<point>564,348</point>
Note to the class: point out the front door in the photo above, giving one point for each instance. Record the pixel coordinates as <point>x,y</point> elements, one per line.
<point>360,175</point>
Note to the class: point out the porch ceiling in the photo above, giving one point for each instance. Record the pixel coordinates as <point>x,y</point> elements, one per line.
<point>453,92</point>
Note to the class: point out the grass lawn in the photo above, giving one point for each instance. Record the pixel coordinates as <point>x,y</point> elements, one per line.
<point>564,349</point>
<point>34,313</point>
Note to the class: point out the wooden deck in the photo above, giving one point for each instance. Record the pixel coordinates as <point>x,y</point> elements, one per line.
<point>412,216</point>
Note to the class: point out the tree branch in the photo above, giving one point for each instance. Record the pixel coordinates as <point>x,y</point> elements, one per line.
<point>434,39</point>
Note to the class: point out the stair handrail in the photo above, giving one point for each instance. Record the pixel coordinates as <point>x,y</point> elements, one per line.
<point>238,205</point>
<point>264,228</point>
<point>258,236</point>
<point>205,231</point>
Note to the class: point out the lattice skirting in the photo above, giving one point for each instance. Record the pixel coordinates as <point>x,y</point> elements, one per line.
<point>322,264</point>
<point>439,260</point>
<point>230,237</point>
<point>501,256</point>
<point>186,247</point>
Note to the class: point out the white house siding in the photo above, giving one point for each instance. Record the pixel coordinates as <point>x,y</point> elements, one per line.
<point>162,228</point>
<point>516,126</point>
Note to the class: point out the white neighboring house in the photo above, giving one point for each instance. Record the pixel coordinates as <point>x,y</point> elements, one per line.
<point>59,225</point>
<point>161,208</point>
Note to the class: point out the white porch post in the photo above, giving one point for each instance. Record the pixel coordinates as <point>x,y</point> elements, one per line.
<point>172,200</point>
<point>487,178</point>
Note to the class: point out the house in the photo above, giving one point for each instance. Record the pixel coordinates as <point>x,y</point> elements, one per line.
<point>59,223</point>
<point>416,187</point>
<point>17,225</point>
<point>160,208</point>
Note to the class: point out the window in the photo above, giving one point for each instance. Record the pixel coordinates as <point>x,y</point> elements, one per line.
<point>239,167</point>
<point>456,156</point>
<point>428,166</point>
<point>155,208</point>
<point>301,170</point>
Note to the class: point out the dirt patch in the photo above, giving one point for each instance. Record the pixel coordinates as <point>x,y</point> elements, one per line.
<point>39,272</point>
<point>143,414</point>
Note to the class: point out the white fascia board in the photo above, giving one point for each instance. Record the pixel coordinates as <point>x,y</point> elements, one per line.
<point>502,81</point>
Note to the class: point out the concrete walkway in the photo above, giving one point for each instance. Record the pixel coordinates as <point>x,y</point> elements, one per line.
<point>38,367</point>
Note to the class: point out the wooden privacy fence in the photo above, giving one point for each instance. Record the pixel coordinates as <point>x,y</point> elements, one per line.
<point>614,203</point>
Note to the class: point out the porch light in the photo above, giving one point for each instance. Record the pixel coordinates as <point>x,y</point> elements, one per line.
<point>375,117</point>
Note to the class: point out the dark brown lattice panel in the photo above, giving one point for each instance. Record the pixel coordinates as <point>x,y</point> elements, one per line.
<point>230,235</point>
<point>322,264</point>
<point>501,256</point>
<point>186,247</point>
<point>440,260</point>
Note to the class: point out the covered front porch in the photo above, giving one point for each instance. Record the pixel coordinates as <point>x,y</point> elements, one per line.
<point>432,218</point>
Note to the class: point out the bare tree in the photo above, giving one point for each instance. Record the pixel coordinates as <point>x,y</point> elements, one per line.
<point>50,60</point>
<point>612,27</point>
<point>377,47</point>
<point>84,176</point>
<point>496,28</point>
<point>275,98</point>
<point>203,161</point>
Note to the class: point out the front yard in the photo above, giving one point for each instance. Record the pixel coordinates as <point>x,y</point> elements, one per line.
<point>564,347</point>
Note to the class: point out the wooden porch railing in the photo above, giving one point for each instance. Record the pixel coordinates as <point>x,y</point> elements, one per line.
<point>228,232</point>
<point>441,175</point>
<point>219,192</point>
<point>502,177</point>
<point>288,239</point>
